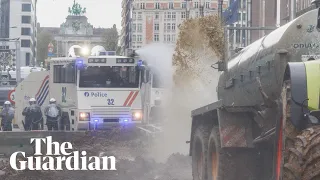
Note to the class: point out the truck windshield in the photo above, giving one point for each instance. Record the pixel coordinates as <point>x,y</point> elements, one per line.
<point>109,77</point>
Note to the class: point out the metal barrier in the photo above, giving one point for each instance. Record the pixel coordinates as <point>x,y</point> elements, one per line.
<point>151,129</point>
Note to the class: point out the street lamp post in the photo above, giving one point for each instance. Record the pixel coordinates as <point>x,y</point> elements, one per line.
<point>18,61</point>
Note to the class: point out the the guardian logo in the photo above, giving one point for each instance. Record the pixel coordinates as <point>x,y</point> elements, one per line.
<point>95,94</point>
<point>59,157</point>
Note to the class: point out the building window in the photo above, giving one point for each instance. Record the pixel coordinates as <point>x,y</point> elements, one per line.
<point>26,7</point>
<point>142,5</point>
<point>244,4</point>
<point>156,27</point>
<point>134,27</point>
<point>139,28</point>
<point>243,37</point>
<point>25,43</point>
<point>134,15</point>
<point>197,14</point>
<point>208,5</point>
<point>237,36</point>
<point>173,15</point>
<point>184,5</point>
<point>169,15</point>
<point>168,38</point>
<point>156,15</point>
<point>167,26</point>
<point>134,38</point>
<point>27,59</point>
<point>183,15</point>
<point>244,17</point>
<point>26,19</point>
<point>156,37</point>
<point>173,37</point>
<point>139,38</point>
<point>170,5</point>
<point>164,37</point>
<point>173,26</point>
<point>139,15</point>
<point>196,4</point>
<point>157,5</point>
<point>26,31</point>
<point>63,75</point>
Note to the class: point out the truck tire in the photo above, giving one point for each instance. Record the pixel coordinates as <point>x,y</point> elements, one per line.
<point>301,157</point>
<point>230,164</point>
<point>199,152</point>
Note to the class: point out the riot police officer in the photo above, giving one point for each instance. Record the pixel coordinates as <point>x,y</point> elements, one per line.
<point>53,115</point>
<point>33,114</point>
<point>7,115</point>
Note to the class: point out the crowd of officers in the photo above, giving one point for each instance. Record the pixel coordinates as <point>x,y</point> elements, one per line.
<point>34,119</point>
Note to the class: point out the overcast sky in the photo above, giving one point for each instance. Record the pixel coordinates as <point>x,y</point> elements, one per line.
<point>103,13</point>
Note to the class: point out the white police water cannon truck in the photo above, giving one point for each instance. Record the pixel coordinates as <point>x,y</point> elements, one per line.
<point>95,91</point>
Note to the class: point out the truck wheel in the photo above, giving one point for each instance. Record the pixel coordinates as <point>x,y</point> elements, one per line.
<point>199,152</point>
<point>287,169</point>
<point>242,161</point>
<point>214,154</point>
<point>300,155</point>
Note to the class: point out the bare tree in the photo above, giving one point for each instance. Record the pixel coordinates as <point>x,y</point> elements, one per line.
<point>110,39</point>
<point>43,40</point>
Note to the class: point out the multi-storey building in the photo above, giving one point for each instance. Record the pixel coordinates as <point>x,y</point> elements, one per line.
<point>18,20</point>
<point>158,20</point>
<point>264,13</point>
<point>239,38</point>
<point>126,33</point>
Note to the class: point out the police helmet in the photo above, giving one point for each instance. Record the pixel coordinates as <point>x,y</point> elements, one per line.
<point>7,103</point>
<point>32,100</point>
<point>52,100</point>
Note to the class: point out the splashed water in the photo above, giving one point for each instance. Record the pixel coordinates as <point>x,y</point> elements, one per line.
<point>159,58</point>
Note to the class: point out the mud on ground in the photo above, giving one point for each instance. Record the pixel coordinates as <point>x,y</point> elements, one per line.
<point>133,160</point>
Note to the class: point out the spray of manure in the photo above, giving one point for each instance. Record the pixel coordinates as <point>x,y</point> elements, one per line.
<point>188,73</point>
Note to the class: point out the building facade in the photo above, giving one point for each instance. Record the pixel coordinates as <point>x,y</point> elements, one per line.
<point>18,20</point>
<point>264,13</point>
<point>237,37</point>
<point>75,31</point>
<point>126,33</point>
<point>158,20</point>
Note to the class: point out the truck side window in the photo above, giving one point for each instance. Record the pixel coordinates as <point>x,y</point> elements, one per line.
<point>64,75</point>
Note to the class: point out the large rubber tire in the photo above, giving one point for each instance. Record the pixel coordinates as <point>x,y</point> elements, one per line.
<point>230,164</point>
<point>199,152</point>
<point>301,150</point>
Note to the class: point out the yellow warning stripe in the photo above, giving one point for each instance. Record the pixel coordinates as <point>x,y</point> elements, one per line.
<point>313,83</point>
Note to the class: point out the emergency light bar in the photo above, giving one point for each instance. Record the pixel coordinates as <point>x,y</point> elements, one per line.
<point>140,63</point>
<point>97,60</point>
<point>125,60</point>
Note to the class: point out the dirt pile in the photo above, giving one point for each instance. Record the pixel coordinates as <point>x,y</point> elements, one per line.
<point>130,149</point>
